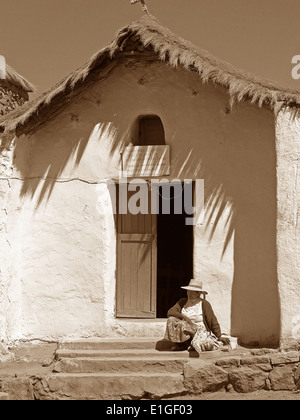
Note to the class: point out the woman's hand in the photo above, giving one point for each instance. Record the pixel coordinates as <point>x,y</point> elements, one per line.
<point>224,340</point>
<point>185,318</point>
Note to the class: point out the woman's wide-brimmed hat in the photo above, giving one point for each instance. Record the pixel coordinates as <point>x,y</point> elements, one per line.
<point>195,285</point>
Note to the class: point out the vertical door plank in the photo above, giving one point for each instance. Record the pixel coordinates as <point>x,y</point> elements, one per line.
<point>136,275</point>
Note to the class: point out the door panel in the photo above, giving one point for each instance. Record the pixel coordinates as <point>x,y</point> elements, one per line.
<point>137,261</point>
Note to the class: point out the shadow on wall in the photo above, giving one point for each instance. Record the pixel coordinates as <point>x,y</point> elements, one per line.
<point>238,165</point>
<point>239,172</point>
<point>43,158</point>
<point>41,163</point>
<point>242,176</point>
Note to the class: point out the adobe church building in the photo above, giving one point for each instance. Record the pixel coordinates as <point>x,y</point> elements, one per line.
<point>153,106</point>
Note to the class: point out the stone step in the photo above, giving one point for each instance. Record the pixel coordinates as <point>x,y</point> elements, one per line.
<point>125,354</point>
<point>113,344</point>
<point>120,365</point>
<point>109,386</point>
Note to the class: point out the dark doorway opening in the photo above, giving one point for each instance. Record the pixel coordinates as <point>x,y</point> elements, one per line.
<point>174,252</point>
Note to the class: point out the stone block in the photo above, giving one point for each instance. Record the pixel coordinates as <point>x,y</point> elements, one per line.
<point>255,360</point>
<point>248,379</point>
<point>108,386</point>
<point>268,384</point>
<point>260,362</point>
<point>282,378</point>
<point>283,358</point>
<point>199,377</point>
<point>297,377</point>
<point>57,368</point>
<point>263,351</point>
<point>229,362</point>
<point>20,389</point>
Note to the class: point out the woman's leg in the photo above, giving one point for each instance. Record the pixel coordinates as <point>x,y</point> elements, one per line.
<point>179,332</point>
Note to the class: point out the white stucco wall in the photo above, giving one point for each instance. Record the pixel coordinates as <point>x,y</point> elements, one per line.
<point>288,223</point>
<point>10,289</point>
<point>65,249</point>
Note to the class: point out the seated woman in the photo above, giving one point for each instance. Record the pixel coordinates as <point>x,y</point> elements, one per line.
<point>190,315</point>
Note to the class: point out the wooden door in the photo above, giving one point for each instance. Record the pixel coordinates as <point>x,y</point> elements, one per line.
<point>136,265</point>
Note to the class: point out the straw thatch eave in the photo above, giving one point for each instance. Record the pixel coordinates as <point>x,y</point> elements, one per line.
<point>144,36</point>
<point>17,80</point>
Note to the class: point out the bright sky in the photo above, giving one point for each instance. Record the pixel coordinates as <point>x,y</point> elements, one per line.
<point>44,40</point>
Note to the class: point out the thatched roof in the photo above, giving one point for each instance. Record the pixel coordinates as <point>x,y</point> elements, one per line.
<point>147,33</point>
<point>17,80</point>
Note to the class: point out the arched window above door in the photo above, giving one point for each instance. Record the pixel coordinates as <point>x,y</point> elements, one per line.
<point>150,131</point>
<point>147,154</point>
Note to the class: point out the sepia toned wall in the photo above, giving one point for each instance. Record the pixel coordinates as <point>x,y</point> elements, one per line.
<point>11,97</point>
<point>288,223</point>
<point>63,238</point>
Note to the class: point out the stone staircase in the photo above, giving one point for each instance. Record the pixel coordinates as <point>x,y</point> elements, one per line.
<point>116,369</point>
<point>135,369</point>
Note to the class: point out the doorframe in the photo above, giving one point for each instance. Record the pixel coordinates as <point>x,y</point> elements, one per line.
<point>154,284</point>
